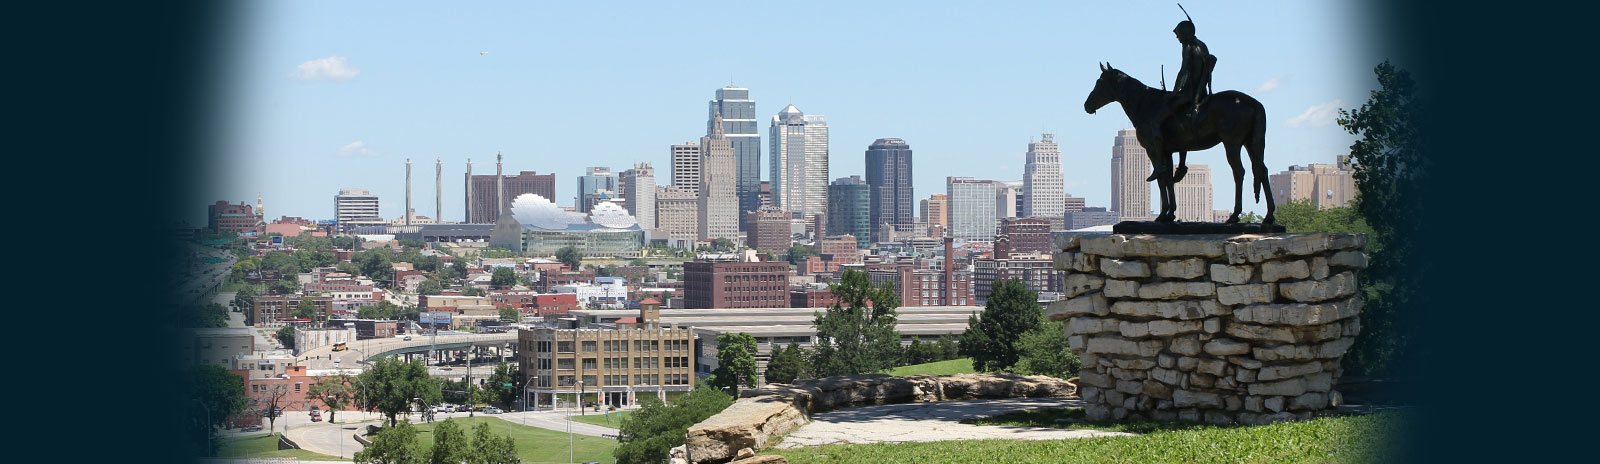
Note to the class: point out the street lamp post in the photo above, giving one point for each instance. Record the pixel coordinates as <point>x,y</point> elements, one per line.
<point>571,451</point>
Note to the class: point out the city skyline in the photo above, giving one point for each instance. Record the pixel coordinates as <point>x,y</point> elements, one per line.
<point>316,109</point>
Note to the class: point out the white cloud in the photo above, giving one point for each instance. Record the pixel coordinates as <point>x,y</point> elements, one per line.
<point>1317,116</point>
<point>356,148</point>
<point>1268,86</point>
<point>333,68</point>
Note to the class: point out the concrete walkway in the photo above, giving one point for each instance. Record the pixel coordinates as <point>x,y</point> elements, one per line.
<point>940,421</point>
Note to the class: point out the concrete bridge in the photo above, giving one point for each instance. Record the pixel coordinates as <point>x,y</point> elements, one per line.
<point>365,350</point>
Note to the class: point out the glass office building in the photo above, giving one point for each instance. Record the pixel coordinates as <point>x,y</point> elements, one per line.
<point>739,125</point>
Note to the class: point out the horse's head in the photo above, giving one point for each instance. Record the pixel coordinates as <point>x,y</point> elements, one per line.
<point>1103,92</point>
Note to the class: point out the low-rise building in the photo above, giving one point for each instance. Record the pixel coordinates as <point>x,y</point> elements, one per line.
<point>614,362</point>
<point>218,346</point>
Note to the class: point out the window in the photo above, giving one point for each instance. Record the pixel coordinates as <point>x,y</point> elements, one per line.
<point>588,363</point>
<point>564,347</point>
<point>564,364</point>
<point>590,346</point>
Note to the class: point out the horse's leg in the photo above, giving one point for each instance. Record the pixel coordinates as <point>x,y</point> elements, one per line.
<point>1164,188</point>
<point>1183,166</point>
<point>1238,181</point>
<point>1259,177</point>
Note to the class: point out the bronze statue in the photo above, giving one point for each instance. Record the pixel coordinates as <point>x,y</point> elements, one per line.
<point>1229,117</point>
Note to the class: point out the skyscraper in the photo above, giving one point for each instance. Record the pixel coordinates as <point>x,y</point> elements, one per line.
<point>1008,199</point>
<point>1130,194</point>
<point>889,174</point>
<point>935,210</point>
<point>800,162</point>
<point>1041,180</point>
<point>677,215</point>
<point>718,200</point>
<point>639,188</point>
<point>849,209</point>
<point>1194,194</point>
<point>597,183</point>
<point>686,166</point>
<point>972,208</point>
<point>739,126</point>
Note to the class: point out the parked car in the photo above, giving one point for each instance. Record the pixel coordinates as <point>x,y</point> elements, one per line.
<point>316,416</point>
<point>251,428</point>
<point>492,410</point>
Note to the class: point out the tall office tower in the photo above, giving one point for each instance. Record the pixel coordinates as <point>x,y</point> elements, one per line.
<point>438,190</point>
<point>1194,194</point>
<point>739,126</point>
<point>718,199</point>
<point>849,209</point>
<point>599,181</point>
<point>889,174</point>
<point>1041,179</point>
<point>639,188</point>
<point>935,210</point>
<point>481,189</point>
<point>972,208</point>
<point>356,207</point>
<point>677,215</point>
<point>1008,196</point>
<point>800,162</point>
<point>1130,194</point>
<point>408,213</point>
<point>686,166</point>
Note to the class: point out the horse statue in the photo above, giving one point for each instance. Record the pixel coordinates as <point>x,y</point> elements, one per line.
<point>1229,117</point>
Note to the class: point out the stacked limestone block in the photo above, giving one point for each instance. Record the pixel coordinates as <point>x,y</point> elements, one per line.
<point>1218,328</point>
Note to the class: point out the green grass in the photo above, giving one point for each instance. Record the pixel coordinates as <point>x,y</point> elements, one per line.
<point>534,445</point>
<point>953,366</point>
<point>1331,439</point>
<point>265,446</point>
<point>605,419</point>
<point>1074,418</point>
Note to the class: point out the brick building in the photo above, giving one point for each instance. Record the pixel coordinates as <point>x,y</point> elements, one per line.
<point>736,284</point>
<point>768,230</point>
<point>269,309</point>
<point>1022,235</point>
<point>614,365</point>
<point>228,218</point>
<point>1036,272</point>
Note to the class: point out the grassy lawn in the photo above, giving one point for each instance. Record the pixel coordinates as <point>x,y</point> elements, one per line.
<point>953,366</point>
<point>534,445</point>
<point>609,419</point>
<point>1332,439</point>
<point>265,447</point>
<point>1074,418</point>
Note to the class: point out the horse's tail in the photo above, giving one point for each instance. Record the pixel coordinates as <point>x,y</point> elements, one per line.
<point>1258,139</point>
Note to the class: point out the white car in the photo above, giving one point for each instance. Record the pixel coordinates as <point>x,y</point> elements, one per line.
<point>408,338</point>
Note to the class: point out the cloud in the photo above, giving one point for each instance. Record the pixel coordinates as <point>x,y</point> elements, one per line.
<point>1317,116</point>
<point>1268,86</point>
<point>356,148</point>
<point>333,68</point>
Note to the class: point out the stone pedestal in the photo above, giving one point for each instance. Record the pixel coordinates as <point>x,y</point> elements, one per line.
<point>1216,328</point>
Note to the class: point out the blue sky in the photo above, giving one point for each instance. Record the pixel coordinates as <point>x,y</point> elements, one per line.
<point>320,96</point>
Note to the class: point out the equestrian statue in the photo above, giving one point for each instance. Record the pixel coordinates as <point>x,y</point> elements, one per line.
<point>1190,118</point>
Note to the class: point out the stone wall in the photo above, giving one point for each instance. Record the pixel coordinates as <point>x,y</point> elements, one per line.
<point>764,415</point>
<point>1216,328</point>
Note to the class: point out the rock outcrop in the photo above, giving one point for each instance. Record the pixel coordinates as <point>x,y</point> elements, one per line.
<point>763,415</point>
<point>1227,329</point>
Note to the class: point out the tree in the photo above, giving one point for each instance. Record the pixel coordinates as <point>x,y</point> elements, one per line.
<point>471,291</point>
<point>430,287</point>
<point>245,298</point>
<point>450,444</point>
<point>489,449</point>
<point>503,277</point>
<point>209,315</point>
<point>785,365</point>
<point>220,394</point>
<point>1045,352</point>
<point>392,386</point>
<point>653,429</point>
<point>510,314</point>
<point>736,363</point>
<point>335,392</point>
<point>396,444</point>
<point>857,335</point>
<point>496,384</point>
<point>723,244</point>
<point>638,262</point>
<point>286,285</point>
<point>271,398</point>
<point>991,340</point>
<point>383,310</point>
<point>1390,164</point>
<point>949,347</point>
<point>570,256</point>
<point>798,253</point>
<point>286,336</point>
<point>305,309</point>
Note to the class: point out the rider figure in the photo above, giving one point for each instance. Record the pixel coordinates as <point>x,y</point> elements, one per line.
<point>1194,77</point>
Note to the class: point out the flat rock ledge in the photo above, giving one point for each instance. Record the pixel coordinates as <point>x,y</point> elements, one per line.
<point>762,416</point>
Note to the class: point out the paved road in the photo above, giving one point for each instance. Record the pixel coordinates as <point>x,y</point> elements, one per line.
<point>339,439</point>
<point>899,423</point>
